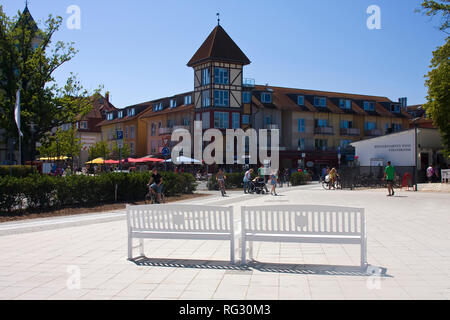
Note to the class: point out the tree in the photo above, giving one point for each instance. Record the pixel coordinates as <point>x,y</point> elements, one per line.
<point>115,154</point>
<point>438,79</point>
<point>99,150</point>
<point>62,143</point>
<point>29,60</point>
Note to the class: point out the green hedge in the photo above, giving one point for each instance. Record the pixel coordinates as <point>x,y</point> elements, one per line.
<point>17,171</point>
<point>41,193</point>
<point>300,178</point>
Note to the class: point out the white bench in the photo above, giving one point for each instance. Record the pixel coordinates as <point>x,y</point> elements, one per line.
<point>179,222</point>
<point>304,224</point>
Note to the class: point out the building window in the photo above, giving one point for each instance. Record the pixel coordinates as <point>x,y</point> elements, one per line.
<point>221,120</point>
<point>345,143</point>
<point>187,100</point>
<point>368,126</point>
<point>320,102</point>
<point>132,132</point>
<point>301,144</point>
<point>206,98</point>
<point>120,114</point>
<point>83,125</point>
<point>153,129</point>
<point>267,120</point>
<point>395,108</point>
<point>153,148</point>
<point>321,144</point>
<point>301,100</point>
<point>110,116</point>
<point>396,127</point>
<point>126,132</point>
<point>345,124</point>
<point>221,98</point>
<point>206,77</point>
<point>173,103</point>
<point>301,125</point>
<point>158,107</point>
<point>170,123</point>
<point>266,97</point>
<point>236,120</point>
<point>186,122</point>
<point>369,106</point>
<point>246,97</point>
<point>321,123</point>
<point>246,119</point>
<point>345,104</point>
<point>221,76</point>
<point>206,120</point>
<point>131,112</point>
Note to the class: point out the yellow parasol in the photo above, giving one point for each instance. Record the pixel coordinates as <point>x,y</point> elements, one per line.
<point>96,161</point>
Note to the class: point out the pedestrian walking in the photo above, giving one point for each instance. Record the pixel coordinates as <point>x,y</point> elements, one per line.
<point>389,176</point>
<point>273,182</point>
<point>247,180</point>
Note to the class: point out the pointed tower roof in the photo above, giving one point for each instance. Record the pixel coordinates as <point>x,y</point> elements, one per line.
<point>219,47</point>
<point>26,19</point>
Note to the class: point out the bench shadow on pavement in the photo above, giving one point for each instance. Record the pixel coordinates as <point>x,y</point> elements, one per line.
<point>325,270</point>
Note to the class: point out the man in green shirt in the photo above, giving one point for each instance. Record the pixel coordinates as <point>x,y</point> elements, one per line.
<point>389,175</point>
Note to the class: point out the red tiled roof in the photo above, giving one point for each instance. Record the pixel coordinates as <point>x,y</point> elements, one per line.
<point>220,47</point>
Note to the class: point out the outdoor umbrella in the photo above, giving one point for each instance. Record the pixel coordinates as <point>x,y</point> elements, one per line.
<point>185,160</point>
<point>111,162</point>
<point>96,161</point>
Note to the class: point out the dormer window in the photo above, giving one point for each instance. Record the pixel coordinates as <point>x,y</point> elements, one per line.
<point>345,104</point>
<point>173,103</point>
<point>301,100</point>
<point>246,97</point>
<point>320,102</point>
<point>188,100</point>
<point>110,116</point>
<point>369,106</point>
<point>158,107</point>
<point>120,114</point>
<point>266,97</point>
<point>131,112</point>
<point>395,108</point>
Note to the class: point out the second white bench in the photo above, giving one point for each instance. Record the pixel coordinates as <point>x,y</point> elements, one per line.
<point>304,224</point>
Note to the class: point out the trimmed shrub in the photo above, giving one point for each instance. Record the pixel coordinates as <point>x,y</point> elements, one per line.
<point>299,178</point>
<point>17,171</point>
<point>40,193</point>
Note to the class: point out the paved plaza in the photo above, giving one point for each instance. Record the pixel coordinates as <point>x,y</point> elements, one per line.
<point>85,257</point>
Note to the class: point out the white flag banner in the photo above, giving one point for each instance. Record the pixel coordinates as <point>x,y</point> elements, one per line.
<point>17,112</point>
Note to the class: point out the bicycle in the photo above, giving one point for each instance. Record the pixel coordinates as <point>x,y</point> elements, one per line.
<point>152,198</point>
<point>222,187</point>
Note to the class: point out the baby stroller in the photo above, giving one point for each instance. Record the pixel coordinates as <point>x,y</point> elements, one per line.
<point>257,186</point>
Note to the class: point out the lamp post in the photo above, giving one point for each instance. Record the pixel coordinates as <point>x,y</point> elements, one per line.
<point>416,175</point>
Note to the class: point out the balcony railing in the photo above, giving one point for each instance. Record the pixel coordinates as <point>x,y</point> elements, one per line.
<point>350,132</point>
<point>373,133</point>
<point>324,130</point>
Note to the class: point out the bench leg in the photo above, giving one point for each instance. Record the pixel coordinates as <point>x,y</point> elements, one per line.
<point>243,250</point>
<point>363,255</point>
<point>130,248</point>
<point>251,251</point>
<point>141,247</point>
<point>232,249</point>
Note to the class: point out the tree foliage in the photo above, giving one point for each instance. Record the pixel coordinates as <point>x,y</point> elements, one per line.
<point>438,79</point>
<point>29,61</point>
<point>99,150</point>
<point>115,152</point>
<point>62,143</point>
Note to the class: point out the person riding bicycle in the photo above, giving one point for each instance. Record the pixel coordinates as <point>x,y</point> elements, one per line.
<point>221,177</point>
<point>156,184</point>
<point>333,178</point>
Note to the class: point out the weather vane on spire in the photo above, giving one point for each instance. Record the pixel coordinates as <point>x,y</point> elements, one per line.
<point>218,18</point>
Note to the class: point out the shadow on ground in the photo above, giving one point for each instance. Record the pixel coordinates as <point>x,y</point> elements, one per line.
<point>326,270</point>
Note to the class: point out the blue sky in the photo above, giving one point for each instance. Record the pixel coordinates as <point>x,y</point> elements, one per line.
<point>139,49</point>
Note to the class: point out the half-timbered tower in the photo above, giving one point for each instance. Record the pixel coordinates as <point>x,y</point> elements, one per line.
<point>218,68</point>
